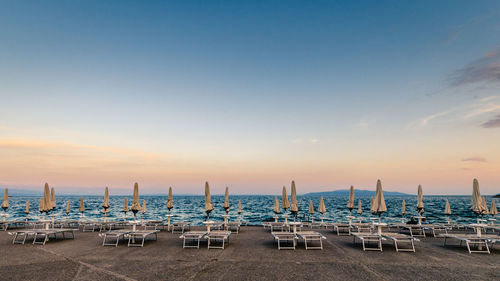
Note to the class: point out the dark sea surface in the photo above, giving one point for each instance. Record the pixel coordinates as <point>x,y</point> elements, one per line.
<point>256,208</point>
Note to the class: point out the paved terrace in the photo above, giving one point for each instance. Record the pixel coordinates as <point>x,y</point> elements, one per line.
<point>250,255</point>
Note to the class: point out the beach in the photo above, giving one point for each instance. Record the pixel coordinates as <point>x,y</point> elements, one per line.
<point>250,255</point>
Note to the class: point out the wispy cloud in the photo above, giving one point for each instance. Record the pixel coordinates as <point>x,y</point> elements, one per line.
<point>483,70</point>
<point>492,123</point>
<point>474,159</point>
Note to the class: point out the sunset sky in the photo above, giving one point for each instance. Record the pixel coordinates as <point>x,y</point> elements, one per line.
<point>250,95</point>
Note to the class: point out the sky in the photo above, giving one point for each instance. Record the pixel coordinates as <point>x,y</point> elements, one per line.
<point>250,95</point>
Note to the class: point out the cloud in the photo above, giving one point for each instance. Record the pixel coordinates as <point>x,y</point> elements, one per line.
<point>492,123</point>
<point>483,70</point>
<point>474,159</point>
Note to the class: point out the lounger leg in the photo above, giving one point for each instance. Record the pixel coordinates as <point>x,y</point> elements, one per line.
<point>468,247</point>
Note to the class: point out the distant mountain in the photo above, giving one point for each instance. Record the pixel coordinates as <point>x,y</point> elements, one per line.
<point>357,192</point>
<point>496,196</point>
<point>24,192</point>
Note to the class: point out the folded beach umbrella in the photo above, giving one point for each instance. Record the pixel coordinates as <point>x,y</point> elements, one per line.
<point>371,205</point>
<point>285,204</point>
<point>294,208</point>
<point>125,205</point>
<point>27,210</point>
<point>360,209</point>
<point>403,208</point>
<point>322,208</point>
<point>350,204</point>
<point>378,202</point>
<point>105,205</point>
<point>239,207</point>
<point>493,209</point>
<point>226,200</point>
<point>136,206</point>
<point>311,207</point>
<point>143,209</point>
<point>53,198</point>
<point>67,207</point>
<point>447,208</point>
<point>479,206</point>
<point>47,205</point>
<point>41,208</point>
<point>208,202</point>
<point>420,198</point>
<point>5,204</point>
<point>276,209</point>
<point>170,201</point>
<point>82,206</point>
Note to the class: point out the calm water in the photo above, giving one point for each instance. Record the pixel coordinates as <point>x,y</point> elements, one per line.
<point>255,208</point>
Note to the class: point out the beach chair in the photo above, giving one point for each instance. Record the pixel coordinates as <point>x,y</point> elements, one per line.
<point>470,240</point>
<point>22,234</point>
<point>112,237</point>
<point>192,236</point>
<point>180,227</point>
<point>88,226</point>
<point>233,226</point>
<point>342,228</point>
<point>141,236</point>
<point>285,237</point>
<point>401,239</point>
<point>311,237</point>
<point>366,239</point>
<point>275,226</point>
<point>217,236</point>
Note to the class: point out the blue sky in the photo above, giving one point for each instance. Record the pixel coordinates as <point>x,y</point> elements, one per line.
<point>250,94</point>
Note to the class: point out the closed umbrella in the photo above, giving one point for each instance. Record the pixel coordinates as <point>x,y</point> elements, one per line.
<point>479,206</point>
<point>285,204</point>
<point>493,209</point>
<point>321,208</point>
<point>41,208</point>
<point>276,209</point>
<point>170,201</point>
<point>27,210</point>
<point>239,207</point>
<point>208,202</point>
<point>420,198</point>
<point>311,210</point>
<point>82,206</point>
<point>67,207</point>
<point>378,202</point>
<point>125,208</point>
<point>294,207</point>
<point>350,204</point>
<point>360,208</point>
<point>403,210</point>
<point>143,209</point>
<point>226,200</point>
<point>447,211</point>
<point>47,205</point>
<point>371,205</point>
<point>136,206</point>
<point>105,205</point>
<point>53,198</point>
<point>5,204</point>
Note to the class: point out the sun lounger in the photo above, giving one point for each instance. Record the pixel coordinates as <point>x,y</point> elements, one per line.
<point>180,226</point>
<point>13,224</point>
<point>233,226</point>
<point>470,240</point>
<point>285,237</point>
<point>401,239</point>
<point>311,237</point>
<point>366,238</point>
<point>141,236</point>
<point>217,236</point>
<point>342,228</point>
<point>88,226</point>
<point>192,236</point>
<point>275,226</point>
<point>112,237</point>
<point>40,236</point>
<point>361,227</point>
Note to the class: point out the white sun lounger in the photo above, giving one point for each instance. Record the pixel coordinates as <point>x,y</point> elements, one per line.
<point>401,239</point>
<point>180,226</point>
<point>140,235</point>
<point>311,236</point>
<point>285,237</point>
<point>469,240</point>
<point>366,238</point>
<point>233,226</point>
<point>342,228</point>
<point>40,236</point>
<point>192,236</point>
<point>112,237</point>
<point>217,236</point>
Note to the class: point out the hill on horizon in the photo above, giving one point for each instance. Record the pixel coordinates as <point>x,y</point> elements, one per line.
<point>357,192</point>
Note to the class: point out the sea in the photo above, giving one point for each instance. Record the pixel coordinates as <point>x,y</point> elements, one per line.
<point>255,208</point>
